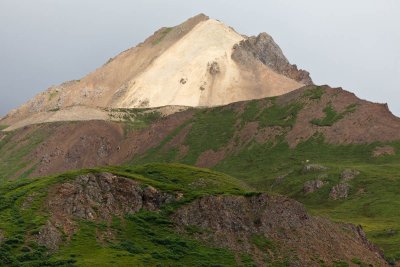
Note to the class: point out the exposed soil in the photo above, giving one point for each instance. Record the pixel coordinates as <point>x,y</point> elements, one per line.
<point>178,140</point>
<point>210,158</point>
<point>95,143</point>
<point>370,122</point>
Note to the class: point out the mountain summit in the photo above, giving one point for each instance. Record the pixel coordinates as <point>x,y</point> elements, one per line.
<point>201,62</point>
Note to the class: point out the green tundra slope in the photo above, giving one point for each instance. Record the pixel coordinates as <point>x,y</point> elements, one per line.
<point>324,147</point>
<point>272,163</point>
<point>142,239</point>
<point>149,216</point>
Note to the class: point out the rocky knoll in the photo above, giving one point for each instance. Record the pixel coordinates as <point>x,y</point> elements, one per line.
<point>276,228</point>
<point>95,197</point>
<point>269,228</point>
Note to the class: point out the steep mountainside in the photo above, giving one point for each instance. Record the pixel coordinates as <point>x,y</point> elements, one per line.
<point>201,62</point>
<point>202,137</point>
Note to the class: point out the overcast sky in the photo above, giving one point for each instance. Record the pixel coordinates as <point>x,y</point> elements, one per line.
<point>354,44</point>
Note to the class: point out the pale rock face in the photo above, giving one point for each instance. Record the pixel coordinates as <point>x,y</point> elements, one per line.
<point>176,77</point>
<point>192,64</point>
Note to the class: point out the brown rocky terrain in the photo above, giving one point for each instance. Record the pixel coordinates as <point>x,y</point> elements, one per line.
<point>369,122</point>
<point>234,222</point>
<point>269,228</point>
<point>95,197</point>
<point>95,143</point>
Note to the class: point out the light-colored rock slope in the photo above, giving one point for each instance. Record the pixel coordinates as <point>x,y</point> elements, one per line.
<point>192,64</point>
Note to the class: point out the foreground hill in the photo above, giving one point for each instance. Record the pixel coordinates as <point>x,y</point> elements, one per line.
<point>335,153</point>
<point>201,62</point>
<point>170,215</point>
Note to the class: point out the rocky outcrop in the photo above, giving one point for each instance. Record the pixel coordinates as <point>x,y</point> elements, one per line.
<point>49,236</point>
<point>288,231</point>
<point>314,168</point>
<point>312,186</point>
<point>95,197</point>
<point>340,191</point>
<point>264,49</point>
<point>349,174</point>
<point>100,196</point>
<point>383,151</point>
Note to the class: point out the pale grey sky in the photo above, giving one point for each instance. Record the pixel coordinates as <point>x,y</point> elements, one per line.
<point>354,44</point>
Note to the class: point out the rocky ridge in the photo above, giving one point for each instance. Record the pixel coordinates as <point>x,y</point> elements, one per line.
<point>95,197</point>
<point>283,224</point>
<point>261,225</point>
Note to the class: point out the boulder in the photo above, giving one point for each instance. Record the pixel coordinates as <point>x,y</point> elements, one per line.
<point>312,186</point>
<point>49,236</point>
<point>340,191</point>
<point>314,168</point>
<point>383,151</point>
<point>349,174</point>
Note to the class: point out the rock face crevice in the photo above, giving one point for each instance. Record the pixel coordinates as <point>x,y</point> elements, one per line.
<point>264,49</point>
<point>233,221</point>
<point>95,197</point>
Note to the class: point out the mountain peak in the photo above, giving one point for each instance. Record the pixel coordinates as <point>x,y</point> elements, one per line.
<point>201,62</point>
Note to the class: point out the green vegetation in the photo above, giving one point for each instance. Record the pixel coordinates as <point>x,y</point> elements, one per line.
<point>135,119</point>
<point>277,115</point>
<point>315,93</point>
<point>359,262</point>
<point>211,130</point>
<point>191,181</point>
<point>373,195</point>
<point>262,243</point>
<point>143,239</point>
<point>2,127</point>
<point>13,159</point>
<point>54,109</point>
<point>331,116</point>
<point>52,94</point>
<point>372,202</point>
<point>162,35</point>
<point>269,113</point>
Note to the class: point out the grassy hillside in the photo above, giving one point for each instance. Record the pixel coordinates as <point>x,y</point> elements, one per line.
<point>274,166</point>
<point>143,239</point>
<point>252,141</point>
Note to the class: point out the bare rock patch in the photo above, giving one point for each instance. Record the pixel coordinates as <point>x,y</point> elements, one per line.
<point>383,151</point>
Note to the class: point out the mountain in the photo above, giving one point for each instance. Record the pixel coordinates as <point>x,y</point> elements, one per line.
<point>201,62</point>
<point>304,177</point>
